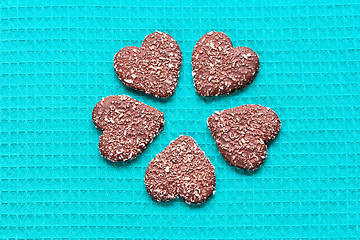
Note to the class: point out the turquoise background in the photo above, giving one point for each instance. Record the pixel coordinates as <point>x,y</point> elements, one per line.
<point>56,64</point>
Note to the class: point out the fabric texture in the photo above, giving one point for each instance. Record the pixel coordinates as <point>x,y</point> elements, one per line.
<point>57,63</point>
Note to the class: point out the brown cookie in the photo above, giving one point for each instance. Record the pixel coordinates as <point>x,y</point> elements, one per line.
<point>128,126</point>
<point>153,68</point>
<point>181,169</point>
<point>218,68</point>
<point>241,134</point>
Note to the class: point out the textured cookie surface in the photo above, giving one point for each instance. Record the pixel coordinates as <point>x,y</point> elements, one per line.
<point>153,68</point>
<point>181,169</point>
<point>218,68</point>
<point>128,126</point>
<point>241,134</point>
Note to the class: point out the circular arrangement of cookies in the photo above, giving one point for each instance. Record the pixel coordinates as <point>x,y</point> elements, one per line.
<point>182,168</point>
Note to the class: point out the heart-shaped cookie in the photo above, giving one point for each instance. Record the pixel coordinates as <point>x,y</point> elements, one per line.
<point>218,68</point>
<point>241,134</point>
<point>180,169</point>
<point>153,68</point>
<point>128,126</point>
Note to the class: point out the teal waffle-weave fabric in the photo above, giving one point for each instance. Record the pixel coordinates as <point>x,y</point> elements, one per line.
<point>56,64</point>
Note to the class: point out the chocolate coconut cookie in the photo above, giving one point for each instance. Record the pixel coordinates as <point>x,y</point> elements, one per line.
<point>218,68</point>
<point>181,169</point>
<point>153,68</point>
<point>128,126</point>
<point>241,134</point>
